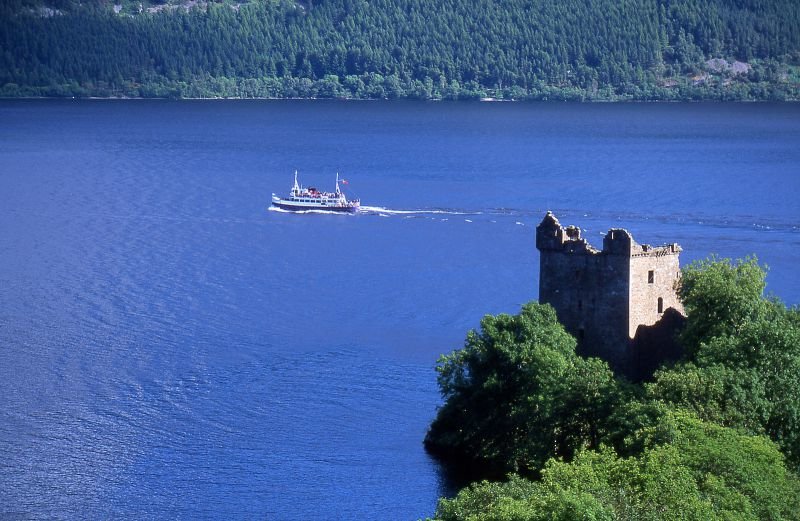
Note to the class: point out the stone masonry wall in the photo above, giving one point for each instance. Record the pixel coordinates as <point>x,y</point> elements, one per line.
<point>653,276</point>
<point>604,297</point>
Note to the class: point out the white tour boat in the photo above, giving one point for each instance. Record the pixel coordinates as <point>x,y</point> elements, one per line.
<point>303,199</point>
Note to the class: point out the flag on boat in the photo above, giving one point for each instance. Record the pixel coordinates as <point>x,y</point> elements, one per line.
<point>344,181</point>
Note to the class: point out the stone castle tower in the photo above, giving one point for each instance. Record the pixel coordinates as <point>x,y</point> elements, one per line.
<point>620,302</point>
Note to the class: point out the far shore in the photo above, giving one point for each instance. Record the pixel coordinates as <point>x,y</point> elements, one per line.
<point>439,100</point>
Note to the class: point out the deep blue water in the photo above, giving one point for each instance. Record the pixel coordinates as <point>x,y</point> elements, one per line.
<point>169,348</point>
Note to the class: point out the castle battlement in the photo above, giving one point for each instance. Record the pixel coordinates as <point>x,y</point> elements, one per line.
<point>609,297</point>
<point>658,251</point>
<point>551,236</point>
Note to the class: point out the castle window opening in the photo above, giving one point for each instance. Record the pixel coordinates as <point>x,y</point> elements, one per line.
<point>660,305</point>
<point>651,276</point>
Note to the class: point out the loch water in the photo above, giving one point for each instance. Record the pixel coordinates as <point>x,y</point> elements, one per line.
<point>171,348</point>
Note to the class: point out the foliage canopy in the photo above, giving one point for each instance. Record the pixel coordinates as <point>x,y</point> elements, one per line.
<point>743,354</point>
<point>517,394</point>
<point>465,49</point>
<point>689,470</point>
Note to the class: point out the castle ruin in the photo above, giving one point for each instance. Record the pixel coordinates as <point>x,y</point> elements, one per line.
<point>620,302</point>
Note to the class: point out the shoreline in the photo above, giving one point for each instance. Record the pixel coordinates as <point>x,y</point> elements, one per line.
<point>393,100</point>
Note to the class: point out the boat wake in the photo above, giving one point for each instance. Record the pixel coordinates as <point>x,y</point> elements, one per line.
<point>435,211</point>
<point>526,217</point>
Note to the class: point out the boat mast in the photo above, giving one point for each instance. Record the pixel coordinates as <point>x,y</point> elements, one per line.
<point>338,192</point>
<point>296,187</point>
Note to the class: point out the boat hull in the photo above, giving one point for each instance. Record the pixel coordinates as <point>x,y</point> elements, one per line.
<point>304,208</point>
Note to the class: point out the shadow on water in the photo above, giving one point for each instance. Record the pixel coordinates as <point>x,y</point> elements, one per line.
<point>456,473</point>
<point>455,476</point>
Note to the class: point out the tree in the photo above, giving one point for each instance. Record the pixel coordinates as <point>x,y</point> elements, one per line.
<point>689,470</point>
<point>719,297</point>
<point>517,394</point>
<point>743,367</point>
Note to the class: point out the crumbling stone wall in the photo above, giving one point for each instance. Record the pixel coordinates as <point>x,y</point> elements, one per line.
<point>606,297</point>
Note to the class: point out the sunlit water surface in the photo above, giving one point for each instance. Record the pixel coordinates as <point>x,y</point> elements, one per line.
<point>170,348</point>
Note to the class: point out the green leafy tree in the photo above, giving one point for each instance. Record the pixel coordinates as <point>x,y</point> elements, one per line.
<point>720,296</point>
<point>688,470</point>
<point>744,354</point>
<point>517,394</point>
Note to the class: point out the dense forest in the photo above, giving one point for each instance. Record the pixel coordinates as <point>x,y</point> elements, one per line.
<point>714,436</point>
<point>465,49</point>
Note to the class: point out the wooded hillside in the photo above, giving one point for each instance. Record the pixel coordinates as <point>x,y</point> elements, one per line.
<point>520,49</point>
